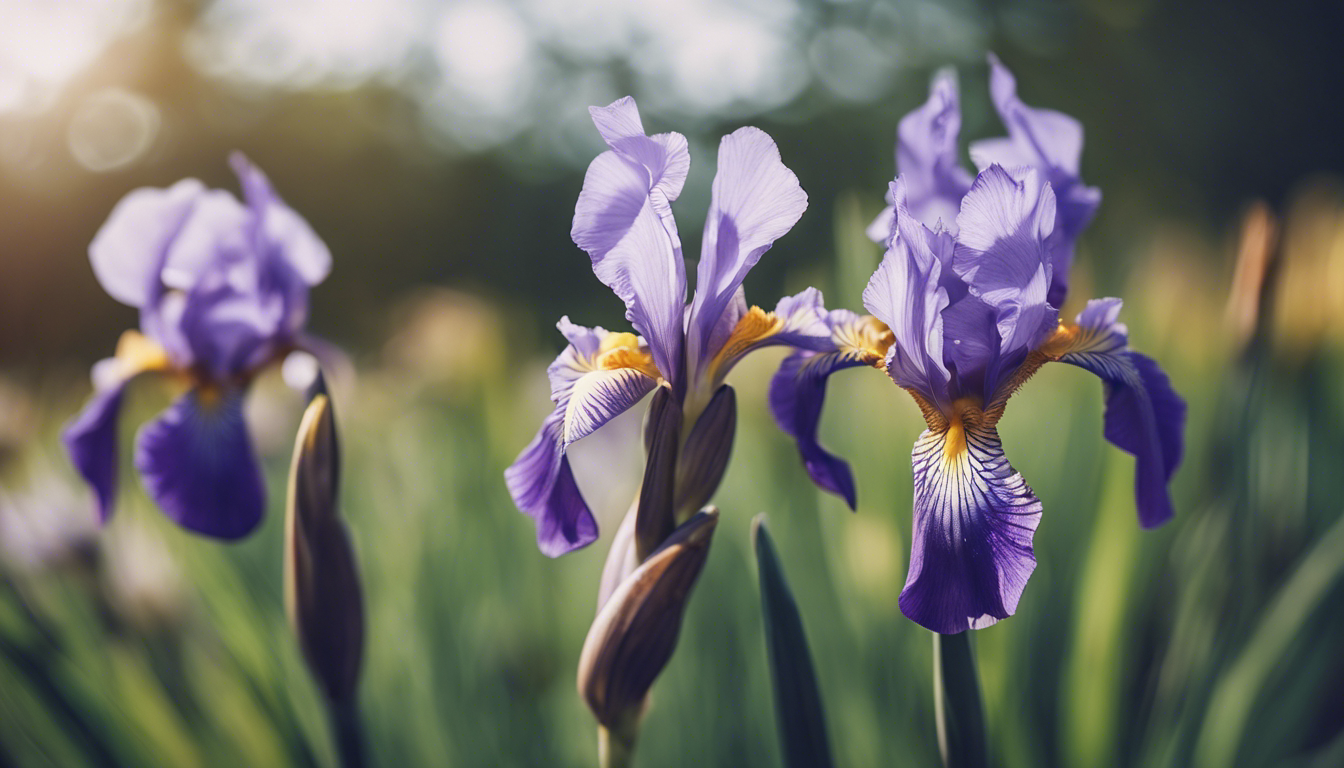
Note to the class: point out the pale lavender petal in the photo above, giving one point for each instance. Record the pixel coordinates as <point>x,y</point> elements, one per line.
<point>1052,143</point>
<point>1046,138</point>
<point>906,293</point>
<point>1002,255</point>
<point>971,550</point>
<point>281,232</point>
<point>1144,415</point>
<point>198,465</point>
<point>926,155</point>
<point>129,250</point>
<point>756,199</point>
<point>623,220</point>
<point>880,230</point>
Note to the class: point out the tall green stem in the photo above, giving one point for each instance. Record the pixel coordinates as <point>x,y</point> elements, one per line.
<point>348,732</point>
<point>615,748</point>
<point>956,700</point>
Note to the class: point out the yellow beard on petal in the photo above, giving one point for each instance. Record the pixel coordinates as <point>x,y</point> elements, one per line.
<point>137,353</point>
<point>754,327</point>
<point>622,350</point>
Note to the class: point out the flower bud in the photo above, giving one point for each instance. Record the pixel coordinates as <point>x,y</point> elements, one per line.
<point>654,519</point>
<point>322,591</point>
<point>634,634</point>
<point>704,457</point>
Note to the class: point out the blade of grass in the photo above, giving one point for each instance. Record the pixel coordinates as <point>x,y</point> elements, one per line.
<point>1235,694</point>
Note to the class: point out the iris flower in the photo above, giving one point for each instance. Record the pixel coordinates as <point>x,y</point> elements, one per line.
<point>623,219</point>
<point>964,311</point>
<point>222,289</point>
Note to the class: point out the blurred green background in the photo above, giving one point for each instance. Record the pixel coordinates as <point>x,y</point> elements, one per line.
<point>438,147</point>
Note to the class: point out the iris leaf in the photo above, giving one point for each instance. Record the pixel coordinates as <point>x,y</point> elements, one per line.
<point>800,717</point>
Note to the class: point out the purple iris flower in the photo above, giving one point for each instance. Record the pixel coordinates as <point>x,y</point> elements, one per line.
<point>222,289</point>
<point>964,311</point>
<point>623,219</point>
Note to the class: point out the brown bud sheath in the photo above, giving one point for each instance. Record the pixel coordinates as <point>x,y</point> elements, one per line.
<point>634,634</point>
<point>322,591</point>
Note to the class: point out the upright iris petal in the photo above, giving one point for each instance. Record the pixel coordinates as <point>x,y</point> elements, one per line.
<point>222,289</point>
<point>1052,143</point>
<point>755,200</point>
<point>907,294</point>
<point>623,219</point>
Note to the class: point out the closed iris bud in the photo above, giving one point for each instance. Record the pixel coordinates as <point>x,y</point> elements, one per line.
<point>636,631</point>
<point>322,591</point>
<point>654,518</point>
<point>704,457</point>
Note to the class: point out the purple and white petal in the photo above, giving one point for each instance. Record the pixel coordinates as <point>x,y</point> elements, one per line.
<point>907,294</point>
<point>586,397</point>
<point>623,220</point>
<point>600,396</point>
<point>971,549</point>
<point>129,250</point>
<point>1002,254</point>
<point>756,199</point>
<point>197,463</point>
<point>1144,415</point>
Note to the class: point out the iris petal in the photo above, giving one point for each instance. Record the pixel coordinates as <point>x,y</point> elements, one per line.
<point>129,250</point>
<point>798,391</point>
<point>971,551</point>
<point>1144,415</point>
<point>623,219</point>
<point>197,463</point>
<point>756,200</point>
<point>907,294</point>
<point>91,440</point>
<point>586,395</point>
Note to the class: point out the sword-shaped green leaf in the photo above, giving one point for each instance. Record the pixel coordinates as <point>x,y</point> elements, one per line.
<point>799,716</point>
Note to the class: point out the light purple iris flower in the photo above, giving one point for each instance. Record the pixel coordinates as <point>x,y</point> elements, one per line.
<point>962,317</point>
<point>623,219</point>
<point>222,289</point>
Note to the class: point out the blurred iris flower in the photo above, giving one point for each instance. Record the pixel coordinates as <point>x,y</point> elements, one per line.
<point>222,289</point>
<point>623,219</point>
<point>964,310</point>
